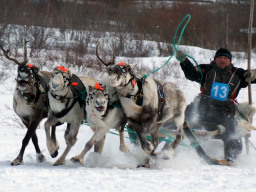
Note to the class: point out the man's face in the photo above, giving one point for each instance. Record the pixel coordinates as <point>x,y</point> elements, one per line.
<point>222,61</point>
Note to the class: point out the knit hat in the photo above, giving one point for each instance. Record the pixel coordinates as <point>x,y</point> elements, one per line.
<point>223,52</point>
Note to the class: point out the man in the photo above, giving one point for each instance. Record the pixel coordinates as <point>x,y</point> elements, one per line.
<point>220,85</point>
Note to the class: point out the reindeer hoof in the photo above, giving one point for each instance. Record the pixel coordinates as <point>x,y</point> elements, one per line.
<point>40,158</point>
<point>124,148</point>
<point>167,154</point>
<point>58,163</point>
<point>77,160</point>
<point>16,162</point>
<point>55,154</point>
<point>148,147</point>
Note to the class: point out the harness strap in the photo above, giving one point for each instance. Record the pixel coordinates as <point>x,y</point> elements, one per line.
<point>64,111</point>
<point>76,89</point>
<point>161,99</point>
<point>33,99</point>
<point>138,98</point>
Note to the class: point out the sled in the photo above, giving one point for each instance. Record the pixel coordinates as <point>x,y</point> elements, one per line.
<point>191,135</point>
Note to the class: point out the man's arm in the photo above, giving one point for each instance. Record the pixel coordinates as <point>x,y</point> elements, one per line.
<point>190,71</point>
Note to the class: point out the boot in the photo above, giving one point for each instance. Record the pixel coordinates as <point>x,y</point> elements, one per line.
<point>232,149</point>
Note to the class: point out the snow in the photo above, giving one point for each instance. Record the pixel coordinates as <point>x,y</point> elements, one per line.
<point>114,170</point>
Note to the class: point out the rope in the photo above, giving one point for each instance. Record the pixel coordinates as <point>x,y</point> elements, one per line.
<point>169,138</point>
<point>188,17</point>
<point>241,114</point>
<point>175,47</point>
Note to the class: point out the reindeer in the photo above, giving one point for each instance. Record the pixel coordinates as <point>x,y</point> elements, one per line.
<point>65,105</point>
<point>30,101</point>
<point>147,103</point>
<point>102,114</point>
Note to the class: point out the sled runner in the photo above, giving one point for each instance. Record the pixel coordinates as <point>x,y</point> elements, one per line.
<point>194,142</point>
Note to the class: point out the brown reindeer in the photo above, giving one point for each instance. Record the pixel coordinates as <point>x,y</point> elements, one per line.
<point>30,101</point>
<point>147,103</point>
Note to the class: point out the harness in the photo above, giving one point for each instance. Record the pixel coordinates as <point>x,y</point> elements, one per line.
<point>111,104</point>
<point>77,87</point>
<point>138,98</point>
<point>161,100</point>
<point>39,80</point>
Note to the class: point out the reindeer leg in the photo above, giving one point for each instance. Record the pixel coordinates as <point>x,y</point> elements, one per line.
<point>98,137</point>
<point>70,138</point>
<point>145,144</point>
<point>168,150</point>
<point>123,147</point>
<point>98,147</point>
<point>51,141</point>
<point>31,130</point>
<point>54,139</point>
<point>39,156</point>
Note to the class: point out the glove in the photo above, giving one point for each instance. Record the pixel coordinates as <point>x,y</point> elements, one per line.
<point>180,56</point>
<point>250,76</point>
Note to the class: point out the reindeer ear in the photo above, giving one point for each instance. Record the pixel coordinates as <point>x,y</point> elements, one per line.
<point>132,65</point>
<point>104,87</point>
<point>90,88</point>
<point>70,71</point>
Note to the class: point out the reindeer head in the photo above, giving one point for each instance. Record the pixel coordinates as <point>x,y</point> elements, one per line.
<point>60,78</point>
<point>26,78</point>
<point>97,99</point>
<point>26,72</point>
<point>120,75</point>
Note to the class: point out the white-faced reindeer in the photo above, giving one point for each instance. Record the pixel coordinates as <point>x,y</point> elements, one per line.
<point>147,103</point>
<point>30,101</point>
<point>65,105</point>
<point>102,114</point>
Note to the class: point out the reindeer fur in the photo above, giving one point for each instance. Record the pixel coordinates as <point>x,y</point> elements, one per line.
<point>29,102</point>
<point>247,111</point>
<point>73,118</point>
<point>144,118</point>
<point>101,119</point>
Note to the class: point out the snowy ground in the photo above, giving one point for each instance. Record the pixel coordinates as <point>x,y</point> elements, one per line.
<point>114,170</point>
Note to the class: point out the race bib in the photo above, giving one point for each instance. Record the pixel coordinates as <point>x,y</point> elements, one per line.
<point>219,91</point>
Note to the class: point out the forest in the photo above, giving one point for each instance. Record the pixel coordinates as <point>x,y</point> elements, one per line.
<point>214,24</point>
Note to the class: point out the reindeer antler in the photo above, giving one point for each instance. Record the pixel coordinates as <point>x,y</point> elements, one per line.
<point>6,52</point>
<point>106,64</point>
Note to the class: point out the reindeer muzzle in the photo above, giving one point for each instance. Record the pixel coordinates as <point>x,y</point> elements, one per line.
<point>23,86</point>
<point>100,108</point>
